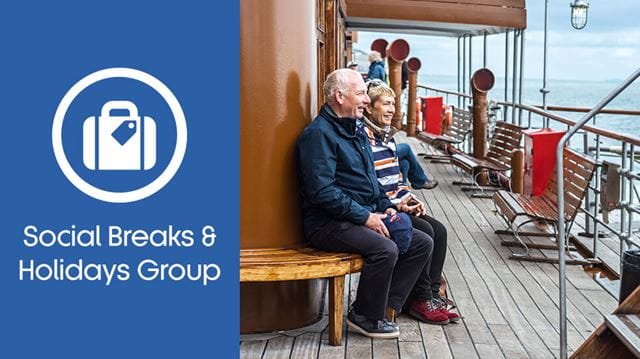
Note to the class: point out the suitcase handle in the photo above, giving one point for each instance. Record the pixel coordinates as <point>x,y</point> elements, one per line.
<point>119,105</point>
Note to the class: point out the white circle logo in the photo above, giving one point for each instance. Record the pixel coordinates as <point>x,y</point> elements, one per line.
<point>157,183</point>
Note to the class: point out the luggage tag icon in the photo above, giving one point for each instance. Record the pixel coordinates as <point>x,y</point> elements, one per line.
<point>124,142</point>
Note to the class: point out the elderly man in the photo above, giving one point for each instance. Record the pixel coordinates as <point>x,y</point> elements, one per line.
<point>344,206</point>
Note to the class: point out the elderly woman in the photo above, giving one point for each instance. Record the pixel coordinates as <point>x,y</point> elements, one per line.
<point>425,303</point>
<point>376,67</point>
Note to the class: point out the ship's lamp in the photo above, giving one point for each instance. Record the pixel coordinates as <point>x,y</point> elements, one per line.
<point>579,14</point>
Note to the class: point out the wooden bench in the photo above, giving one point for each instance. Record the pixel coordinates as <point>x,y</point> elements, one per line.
<point>454,135</point>
<point>578,171</point>
<point>270,265</point>
<point>618,336</point>
<point>505,140</point>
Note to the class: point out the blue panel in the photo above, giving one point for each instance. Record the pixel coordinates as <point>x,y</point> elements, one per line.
<point>112,301</point>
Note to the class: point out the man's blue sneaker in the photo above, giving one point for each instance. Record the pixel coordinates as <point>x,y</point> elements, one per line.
<point>377,329</point>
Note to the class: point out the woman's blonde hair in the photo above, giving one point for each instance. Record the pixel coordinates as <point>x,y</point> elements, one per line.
<point>377,88</point>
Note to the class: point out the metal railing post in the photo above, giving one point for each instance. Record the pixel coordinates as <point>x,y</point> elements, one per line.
<point>506,73</point>
<point>522,32</point>
<point>561,217</point>
<point>630,190</point>
<point>596,207</point>
<point>484,50</point>
<point>464,70</point>
<point>544,90</point>
<point>623,196</point>
<point>459,99</point>
<point>514,86</point>
<point>587,198</point>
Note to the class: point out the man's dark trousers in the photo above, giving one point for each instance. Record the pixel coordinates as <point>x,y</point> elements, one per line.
<point>384,271</point>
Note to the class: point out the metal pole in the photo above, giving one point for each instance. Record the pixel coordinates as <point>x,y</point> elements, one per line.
<point>470,60</point>
<point>522,32</point>
<point>560,188</point>
<point>459,99</point>
<point>464,70</point>
<point>587,195</point>
<point>516,33</point>
<point>596,207</point>
<point>506,73</point>
<point>484,50</point>
<point>632,152</point>
<point>544,89</point>
<point>623,196</point>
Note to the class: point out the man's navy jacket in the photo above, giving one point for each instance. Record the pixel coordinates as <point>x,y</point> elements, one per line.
<point>337,176</point>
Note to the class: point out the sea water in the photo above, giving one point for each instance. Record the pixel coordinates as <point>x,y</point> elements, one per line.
<point>570,93</point>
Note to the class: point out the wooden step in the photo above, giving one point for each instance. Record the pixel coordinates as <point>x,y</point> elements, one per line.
<point>626,328</point>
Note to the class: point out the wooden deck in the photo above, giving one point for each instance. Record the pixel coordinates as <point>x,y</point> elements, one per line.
<point>510,308</point>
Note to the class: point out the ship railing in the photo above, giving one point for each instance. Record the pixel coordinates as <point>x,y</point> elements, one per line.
<point>591,208</point>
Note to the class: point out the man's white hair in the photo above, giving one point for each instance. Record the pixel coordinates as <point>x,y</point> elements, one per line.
<point>338,80</point>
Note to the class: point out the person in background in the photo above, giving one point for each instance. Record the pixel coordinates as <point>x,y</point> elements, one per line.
<point>425,302</point>
<point>353,66</point>
<point>376,67</point>
<point>343,206</point>
<point>411,169</point>
<point>404,75</point>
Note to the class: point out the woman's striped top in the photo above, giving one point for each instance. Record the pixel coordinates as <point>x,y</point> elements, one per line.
<point>387,166</point>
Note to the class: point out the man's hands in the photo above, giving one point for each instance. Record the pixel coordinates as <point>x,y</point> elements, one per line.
<point>375,223</point>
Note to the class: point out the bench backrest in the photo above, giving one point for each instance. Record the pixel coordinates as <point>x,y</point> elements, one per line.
<point>506,139</point>
<point>578,170</point>
<point>460,125</point>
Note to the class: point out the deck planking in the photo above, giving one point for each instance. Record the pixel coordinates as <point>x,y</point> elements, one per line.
<point>509,308</point>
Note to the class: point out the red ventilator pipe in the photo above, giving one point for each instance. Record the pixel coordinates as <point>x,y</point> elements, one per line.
<point>413,64</point>
<point>481,82</point>
<point>380,45</point>
<point>397,52</point>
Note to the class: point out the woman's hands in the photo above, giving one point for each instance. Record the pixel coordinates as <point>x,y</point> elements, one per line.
<point>412,205</point>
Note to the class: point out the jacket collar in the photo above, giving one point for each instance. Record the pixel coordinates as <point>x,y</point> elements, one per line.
<point>383,134</point>
<point>346,126</point>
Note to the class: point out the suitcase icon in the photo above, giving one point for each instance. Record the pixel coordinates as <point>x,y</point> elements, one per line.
<point>124,142</point>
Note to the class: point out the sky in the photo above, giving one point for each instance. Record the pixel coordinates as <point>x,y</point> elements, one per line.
<point>608,48</point>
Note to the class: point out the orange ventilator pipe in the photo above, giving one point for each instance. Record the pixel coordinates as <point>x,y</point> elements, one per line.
<point>413,64</point>
<point>397,52</point>
<point>481,82</point>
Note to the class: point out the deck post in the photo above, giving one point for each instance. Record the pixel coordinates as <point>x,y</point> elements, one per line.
<point>414,65</point>
<point>517,171</point>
